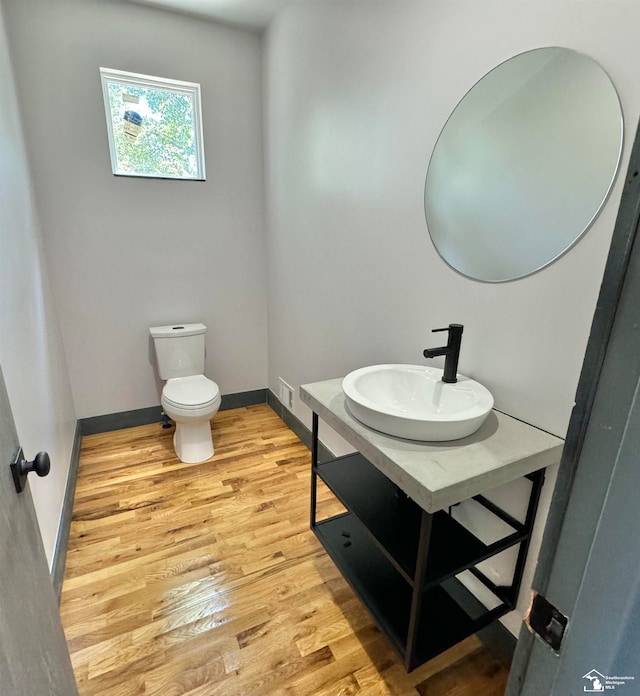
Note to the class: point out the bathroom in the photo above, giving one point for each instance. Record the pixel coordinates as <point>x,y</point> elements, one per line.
<point>306,251</point>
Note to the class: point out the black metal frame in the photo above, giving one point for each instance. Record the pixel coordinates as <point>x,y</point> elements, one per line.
<point>402,597</point>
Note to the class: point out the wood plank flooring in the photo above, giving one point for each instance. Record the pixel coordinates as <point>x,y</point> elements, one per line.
<point>205,580</point>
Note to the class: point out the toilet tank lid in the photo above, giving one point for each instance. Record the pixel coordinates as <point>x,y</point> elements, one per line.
<point>177,330</point>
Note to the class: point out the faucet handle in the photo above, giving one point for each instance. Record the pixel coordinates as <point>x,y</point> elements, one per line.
<point>454,327</point>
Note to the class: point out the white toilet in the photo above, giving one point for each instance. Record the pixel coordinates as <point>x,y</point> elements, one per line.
<point>188,397</point>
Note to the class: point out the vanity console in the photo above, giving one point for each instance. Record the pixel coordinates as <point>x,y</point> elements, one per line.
<point>399,544</point>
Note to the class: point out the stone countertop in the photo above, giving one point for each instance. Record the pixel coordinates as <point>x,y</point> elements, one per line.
<point>438,474</point>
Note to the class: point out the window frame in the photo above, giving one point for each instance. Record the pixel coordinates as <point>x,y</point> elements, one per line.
<point>150,81</point>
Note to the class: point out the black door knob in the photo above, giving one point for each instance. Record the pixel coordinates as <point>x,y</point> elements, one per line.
<point>20,467</point>
<point>41,465</point>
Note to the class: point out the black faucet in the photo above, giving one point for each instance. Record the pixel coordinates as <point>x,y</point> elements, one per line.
<point>451,352</point>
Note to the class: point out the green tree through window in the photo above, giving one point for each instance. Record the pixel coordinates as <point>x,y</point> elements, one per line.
<point>153,128</point>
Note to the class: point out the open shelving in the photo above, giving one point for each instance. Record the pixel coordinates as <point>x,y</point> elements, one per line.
<point>402,561</point>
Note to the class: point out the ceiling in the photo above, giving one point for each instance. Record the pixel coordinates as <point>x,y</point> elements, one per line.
<point>250,14</point>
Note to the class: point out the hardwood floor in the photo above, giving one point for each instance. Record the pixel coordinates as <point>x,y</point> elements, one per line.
<point>206,580</point>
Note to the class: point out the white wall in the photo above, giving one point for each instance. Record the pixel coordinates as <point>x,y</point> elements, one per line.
<point>357,95</point>
<point>129,253</point>
<point>31,352</point>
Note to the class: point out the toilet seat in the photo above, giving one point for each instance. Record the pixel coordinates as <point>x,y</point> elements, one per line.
<point>190,393</point>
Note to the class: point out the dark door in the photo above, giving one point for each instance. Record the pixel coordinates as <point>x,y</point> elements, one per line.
<point>589,565</point>
<point>34,660</point>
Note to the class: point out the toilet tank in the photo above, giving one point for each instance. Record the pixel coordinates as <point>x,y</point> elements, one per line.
<point>179,349</point>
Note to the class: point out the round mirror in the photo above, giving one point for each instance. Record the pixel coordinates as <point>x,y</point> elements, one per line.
<point>523,164</point>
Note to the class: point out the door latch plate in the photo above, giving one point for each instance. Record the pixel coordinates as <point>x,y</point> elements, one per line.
<point>547,622</point>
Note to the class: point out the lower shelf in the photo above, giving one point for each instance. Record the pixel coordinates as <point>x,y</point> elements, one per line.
<point>449,611</point>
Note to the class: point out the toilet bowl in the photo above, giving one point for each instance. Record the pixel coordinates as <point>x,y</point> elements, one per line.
<point>191,402</point>
<point>188,397</point>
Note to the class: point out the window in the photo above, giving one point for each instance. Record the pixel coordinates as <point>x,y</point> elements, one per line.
<point>154,126</point>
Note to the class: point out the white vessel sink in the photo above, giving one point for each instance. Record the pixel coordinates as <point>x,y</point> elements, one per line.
<point>411,401</point>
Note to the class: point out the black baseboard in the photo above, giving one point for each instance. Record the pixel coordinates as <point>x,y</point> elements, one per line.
<point>62,540</point>
<point>241,399</point>
<point>118,421</point>
<point>152,414</point>
<point>298,427</point>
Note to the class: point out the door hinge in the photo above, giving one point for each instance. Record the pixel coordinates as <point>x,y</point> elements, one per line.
<point>547,622</point>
